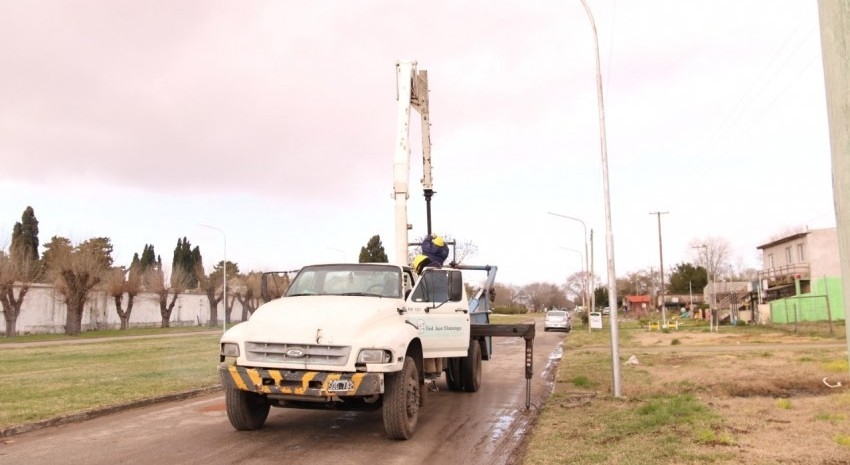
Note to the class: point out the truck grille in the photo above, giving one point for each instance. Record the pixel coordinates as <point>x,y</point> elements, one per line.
<point>296,353</point>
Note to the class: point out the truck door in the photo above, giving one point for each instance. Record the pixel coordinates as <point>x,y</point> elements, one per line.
<point>436,306</point>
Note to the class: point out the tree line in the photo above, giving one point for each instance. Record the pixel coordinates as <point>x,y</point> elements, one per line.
<point>77,269</point>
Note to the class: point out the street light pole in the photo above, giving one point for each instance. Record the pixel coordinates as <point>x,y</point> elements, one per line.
<point>224,272</point>
<point>609,235</point>
<point>588,265</point>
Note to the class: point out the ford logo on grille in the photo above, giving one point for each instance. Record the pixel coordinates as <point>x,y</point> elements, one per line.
<point>295,353</point>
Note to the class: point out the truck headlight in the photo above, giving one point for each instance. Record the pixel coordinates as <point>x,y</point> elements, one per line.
<point>374,356</point>
<point>229,349</point>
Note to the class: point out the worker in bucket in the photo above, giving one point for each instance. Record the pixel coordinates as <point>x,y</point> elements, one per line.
<point>420,262</point>
<point>434,247</point>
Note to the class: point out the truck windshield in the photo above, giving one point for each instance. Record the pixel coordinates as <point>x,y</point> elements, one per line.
<point>348,279</point>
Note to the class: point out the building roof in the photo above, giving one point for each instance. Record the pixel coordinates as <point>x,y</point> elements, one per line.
<point>784,239</point>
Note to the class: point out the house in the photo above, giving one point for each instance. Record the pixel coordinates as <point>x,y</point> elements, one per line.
<point>638,305</point>
<point>732,298</point>
<point>800,278</point>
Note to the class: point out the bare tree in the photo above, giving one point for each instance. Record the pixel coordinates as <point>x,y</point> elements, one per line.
<point>210,287</point>
<point>75,272</point>
<point>507,295</point>
<point>542,295</point>
<point>712,254</point>
<point>120,282</point>
<point>248,294</point>
<point>20,273</point>
<point>162,285</point>
<point>463,250</point>
<point>576,287</point>
<point>213,287</point>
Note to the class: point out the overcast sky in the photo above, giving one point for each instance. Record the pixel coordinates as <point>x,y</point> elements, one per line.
<point>275,121</point>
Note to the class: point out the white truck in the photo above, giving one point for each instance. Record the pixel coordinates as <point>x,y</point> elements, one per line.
<point>365,335</point>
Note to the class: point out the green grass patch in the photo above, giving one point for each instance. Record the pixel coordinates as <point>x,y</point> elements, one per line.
<point>783,404</point>
<point>831,417</point>
<point>105,334</point>
<point>649,424</point>
<point>842,439</point>
<point>504,319</point>
<point>582,382</point>
<point>837,366</point>
<point>663,429</point>
<point>43,382</point>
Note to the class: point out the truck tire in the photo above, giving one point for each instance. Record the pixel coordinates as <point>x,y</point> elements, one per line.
<point>247,411</point>
<point>470,367</point>
<point>453,378</point>
<point>401,401</point>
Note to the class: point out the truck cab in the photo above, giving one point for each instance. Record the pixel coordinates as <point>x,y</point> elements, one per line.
<point>347,336</point>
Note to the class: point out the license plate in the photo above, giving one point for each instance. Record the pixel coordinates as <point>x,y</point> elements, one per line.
<point>340,385</point>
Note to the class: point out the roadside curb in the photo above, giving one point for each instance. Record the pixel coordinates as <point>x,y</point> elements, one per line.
<point>99,412</point>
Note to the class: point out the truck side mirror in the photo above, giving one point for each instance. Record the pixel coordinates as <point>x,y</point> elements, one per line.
<point>455,286</point>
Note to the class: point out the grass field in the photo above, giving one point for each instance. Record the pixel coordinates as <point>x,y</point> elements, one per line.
<point>747,396</point>
<point>744,396</point>
<point>45,381</point>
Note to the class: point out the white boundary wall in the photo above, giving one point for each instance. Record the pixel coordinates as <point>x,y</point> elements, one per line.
<point>44,311</point>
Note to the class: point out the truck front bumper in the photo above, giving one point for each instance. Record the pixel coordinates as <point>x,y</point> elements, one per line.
<point>308,384</point>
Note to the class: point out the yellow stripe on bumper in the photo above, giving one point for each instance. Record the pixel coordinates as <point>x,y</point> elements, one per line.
<point>314,384</point>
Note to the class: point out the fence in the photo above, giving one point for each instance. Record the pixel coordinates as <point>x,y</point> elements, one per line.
<point>44,311</point>
<point>805,314</point>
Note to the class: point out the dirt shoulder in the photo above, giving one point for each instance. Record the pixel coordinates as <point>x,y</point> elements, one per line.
<point>782,399</point>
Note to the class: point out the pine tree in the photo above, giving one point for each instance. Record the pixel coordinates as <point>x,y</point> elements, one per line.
<point>373,252</point>
<point>186,260</point>
<point>25,238</point>
<point>148,258</point>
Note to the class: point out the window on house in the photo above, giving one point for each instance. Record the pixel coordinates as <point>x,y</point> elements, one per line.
<point>801,252</point>
<point>788,258</point>
<point>770,261</point>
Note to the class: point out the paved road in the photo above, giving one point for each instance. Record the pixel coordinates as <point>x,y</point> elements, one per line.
<point>487,427</point>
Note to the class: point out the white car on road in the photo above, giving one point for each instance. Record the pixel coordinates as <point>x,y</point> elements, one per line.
<point>558,319</point>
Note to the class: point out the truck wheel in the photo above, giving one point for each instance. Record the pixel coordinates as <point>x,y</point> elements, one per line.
<point>471,367</point>
<point>247,411</point>
<point>401,401</point>
<point>453,378</point>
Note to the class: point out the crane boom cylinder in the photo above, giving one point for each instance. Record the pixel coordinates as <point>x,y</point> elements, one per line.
<point>401,163</point>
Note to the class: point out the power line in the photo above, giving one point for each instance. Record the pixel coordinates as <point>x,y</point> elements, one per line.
<point>757,87</point>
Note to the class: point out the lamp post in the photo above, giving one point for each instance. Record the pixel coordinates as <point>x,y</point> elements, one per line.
<point>224,272</point>
<point>609,235</point>
<point>584,271</point>
<point>588,265</point>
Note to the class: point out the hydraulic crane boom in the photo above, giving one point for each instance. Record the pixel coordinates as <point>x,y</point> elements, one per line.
<point>412,88</point>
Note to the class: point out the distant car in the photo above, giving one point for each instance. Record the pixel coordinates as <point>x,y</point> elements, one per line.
<point>606,311</point>
<point>558,319</point>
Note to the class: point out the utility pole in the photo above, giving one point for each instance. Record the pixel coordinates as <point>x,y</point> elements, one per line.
<point>592,287</point>
<point>661,259</point>
<point>713,302</point>
<point>835,46</point>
